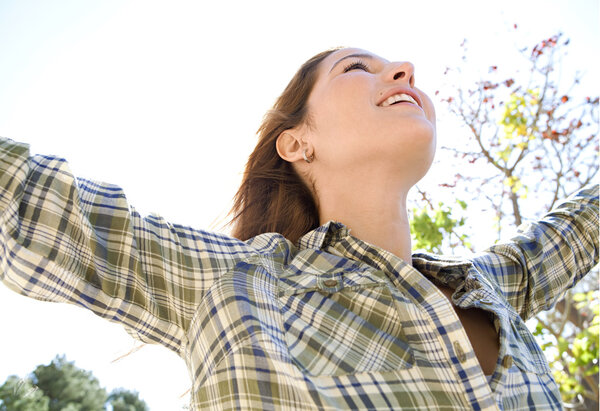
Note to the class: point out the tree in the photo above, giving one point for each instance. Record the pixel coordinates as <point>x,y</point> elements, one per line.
<point>529,137</point>
<point>123,400</point>
<point>528,141</point>
<point>19,394</point>
<point>61,385</point>
<point>69,387</point>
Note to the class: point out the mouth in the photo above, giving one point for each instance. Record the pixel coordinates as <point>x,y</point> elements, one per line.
<point>400,96</point>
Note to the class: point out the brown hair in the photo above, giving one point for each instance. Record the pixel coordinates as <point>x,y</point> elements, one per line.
<point>272,196</point>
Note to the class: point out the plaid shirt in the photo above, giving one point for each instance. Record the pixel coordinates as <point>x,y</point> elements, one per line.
<point>329,323</point>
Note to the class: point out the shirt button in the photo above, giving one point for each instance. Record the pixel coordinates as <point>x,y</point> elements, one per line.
<point>460,354</point>
<point>507,361</point>
<point>330,283</point>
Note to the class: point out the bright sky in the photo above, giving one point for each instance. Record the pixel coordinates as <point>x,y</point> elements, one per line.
<point>164,98</point>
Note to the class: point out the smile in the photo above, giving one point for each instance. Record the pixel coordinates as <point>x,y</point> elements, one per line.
<point>399,95</point>
<point>398,98</point>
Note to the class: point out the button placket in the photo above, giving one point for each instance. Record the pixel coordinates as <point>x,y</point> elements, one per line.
<point>460,354</point>
<point>507,361</point>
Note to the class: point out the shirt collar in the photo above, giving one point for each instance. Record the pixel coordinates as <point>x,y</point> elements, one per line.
<point>448,269</point>
<point>327,234</point>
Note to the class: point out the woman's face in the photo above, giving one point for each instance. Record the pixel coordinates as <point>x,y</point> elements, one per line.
<point>356,121</point>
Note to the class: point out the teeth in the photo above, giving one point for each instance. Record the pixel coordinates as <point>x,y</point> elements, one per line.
<point>398,97</point>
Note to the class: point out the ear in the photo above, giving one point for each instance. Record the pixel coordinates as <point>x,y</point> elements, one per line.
<point>289,146</point>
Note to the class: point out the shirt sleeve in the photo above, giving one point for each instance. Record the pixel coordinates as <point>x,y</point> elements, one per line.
<point>71,240</point>
<point>546,257</point>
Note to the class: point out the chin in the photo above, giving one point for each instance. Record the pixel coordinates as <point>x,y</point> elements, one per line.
<point>414,154</point>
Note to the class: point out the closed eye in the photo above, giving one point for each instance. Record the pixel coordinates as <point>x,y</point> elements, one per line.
<point>356,65</point>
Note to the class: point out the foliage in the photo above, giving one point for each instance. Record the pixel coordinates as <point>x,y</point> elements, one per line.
<point>572,346</point>
<point>20,394</point>
<point>69,387</point>
<point>529,141</point>
<point>429,229</point>
<point>123,400</point>
<point>61,385</point>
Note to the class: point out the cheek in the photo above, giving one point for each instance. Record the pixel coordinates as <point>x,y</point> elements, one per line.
<point>429,109</point>
<point>344,108</point>
<point>349,93</point>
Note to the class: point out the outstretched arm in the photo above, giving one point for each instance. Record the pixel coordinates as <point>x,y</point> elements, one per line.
<point>546,257</point>
<point>72,240</point>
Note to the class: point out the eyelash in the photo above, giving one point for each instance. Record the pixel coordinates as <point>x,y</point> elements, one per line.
<point>357,64</point>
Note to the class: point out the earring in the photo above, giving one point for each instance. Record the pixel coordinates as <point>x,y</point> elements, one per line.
<point>308,159</point>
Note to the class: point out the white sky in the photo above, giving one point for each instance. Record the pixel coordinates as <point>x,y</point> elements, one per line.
<point>164,98</point>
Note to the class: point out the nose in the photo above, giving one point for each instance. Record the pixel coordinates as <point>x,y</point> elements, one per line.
<point>403,71</point>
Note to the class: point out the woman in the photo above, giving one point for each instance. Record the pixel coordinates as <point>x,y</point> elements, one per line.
<point>317,302</point>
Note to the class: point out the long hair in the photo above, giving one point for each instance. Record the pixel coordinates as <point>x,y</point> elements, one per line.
<point>272,196</point>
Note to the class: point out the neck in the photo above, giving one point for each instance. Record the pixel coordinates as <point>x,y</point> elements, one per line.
<point>375,213</point>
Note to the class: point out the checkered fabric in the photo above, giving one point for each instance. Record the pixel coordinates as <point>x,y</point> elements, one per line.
<point>329,323</point>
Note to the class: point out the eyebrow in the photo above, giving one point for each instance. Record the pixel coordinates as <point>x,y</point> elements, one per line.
<point>365,55</point>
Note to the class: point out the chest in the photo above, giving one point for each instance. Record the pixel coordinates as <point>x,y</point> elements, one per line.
<point>345,319</point>
<point>480,330</point>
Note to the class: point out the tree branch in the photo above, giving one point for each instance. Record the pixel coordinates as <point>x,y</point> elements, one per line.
<point>515,206</point>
